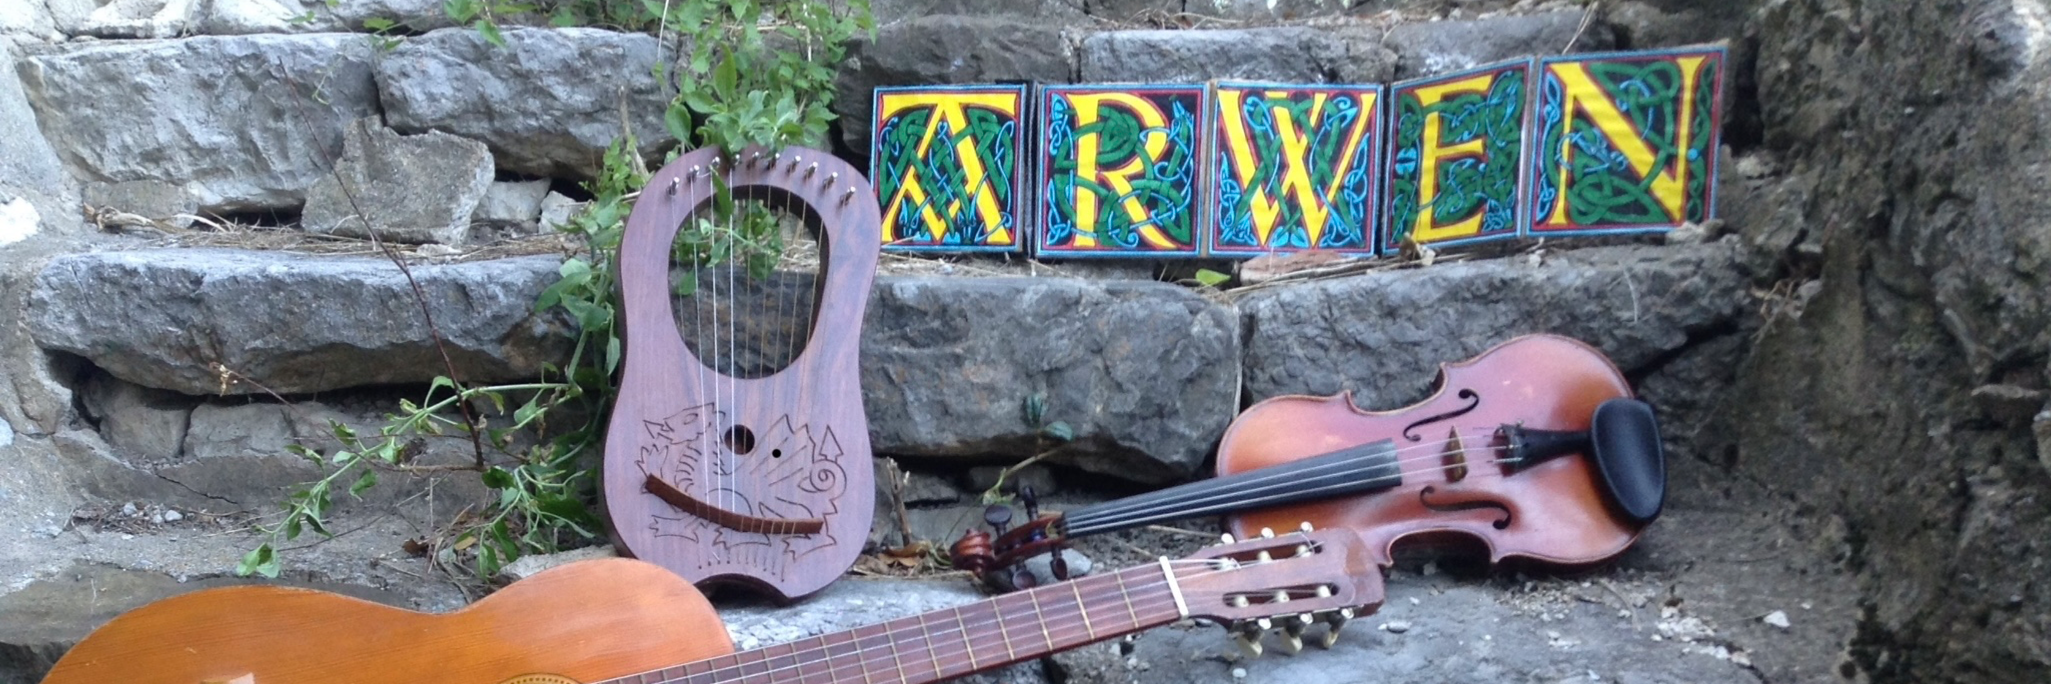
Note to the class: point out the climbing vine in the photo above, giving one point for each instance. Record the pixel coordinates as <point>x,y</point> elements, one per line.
<point>758,72</point>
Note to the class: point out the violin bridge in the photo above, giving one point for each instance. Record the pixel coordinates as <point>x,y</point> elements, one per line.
<point>1454,458</point>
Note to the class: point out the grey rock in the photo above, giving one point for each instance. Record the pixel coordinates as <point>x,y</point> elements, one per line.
<point>513,204</point>
<point>1442,47</point>
<point>70,15</point>
<point>1635,303</point>
<point>1296,54</point>
<point>141,19</point>
<point>1144,373</point>
<point>1037,476</point>
<point>529,566</point>
<point>163,318</point>
<point>30,18</point>
<point>237,116</point>
<point>30,169</point>
<point>548,103</point>
<point>6,433</point>
<point>889,12</point>
<point>173,203</point>
<point>945,49</point>
<point>253,429</point>
<point>556,210</point>
<point>137,420</point>
<point>416,189</point>
<point>234,17</point>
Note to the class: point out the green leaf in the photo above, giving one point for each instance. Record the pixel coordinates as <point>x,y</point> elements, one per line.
<point>1059,430</point>
<point>379,24</point>
<point>490,31</point>
<point>261,560</point>
<point>305,453</point>
<point>1035,409</point>
<point>725,78</point>
<point>678,120</point>
<point>612,354</point>
<point>1210,278</point>
<point>498,478</point>
<point>364,482</point>
<point>528,411</point>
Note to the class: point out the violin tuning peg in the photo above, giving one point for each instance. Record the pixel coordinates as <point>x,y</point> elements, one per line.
<point>1059,566</point>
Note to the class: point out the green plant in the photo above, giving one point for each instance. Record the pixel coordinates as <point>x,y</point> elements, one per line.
<point>741,89</point>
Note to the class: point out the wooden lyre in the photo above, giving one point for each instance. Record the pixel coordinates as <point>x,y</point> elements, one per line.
<point>716,467</point>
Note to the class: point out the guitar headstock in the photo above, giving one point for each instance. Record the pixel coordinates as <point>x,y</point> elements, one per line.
<point>1284,583</point>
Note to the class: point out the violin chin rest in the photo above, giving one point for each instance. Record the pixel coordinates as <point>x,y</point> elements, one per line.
<point>1629,455</point>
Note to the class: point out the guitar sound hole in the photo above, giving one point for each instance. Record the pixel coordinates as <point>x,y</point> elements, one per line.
<point>741,440</point>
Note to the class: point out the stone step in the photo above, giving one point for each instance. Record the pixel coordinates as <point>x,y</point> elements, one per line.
<point>1687,618</point>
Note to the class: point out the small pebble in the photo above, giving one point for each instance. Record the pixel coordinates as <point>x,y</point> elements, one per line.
<point>128,509</point>
<point>1238,673</point>
<point>173,516</point>
<point>1396,626</point>
<point>1777,619</point>
<point>157,518</point>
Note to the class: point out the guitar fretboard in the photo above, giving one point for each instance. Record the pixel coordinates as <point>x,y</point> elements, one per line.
<point>939,645</point>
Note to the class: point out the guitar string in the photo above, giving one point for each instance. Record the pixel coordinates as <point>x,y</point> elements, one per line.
<point>890,637</point>
<point>1238,490</point>
<point>1208,568</point>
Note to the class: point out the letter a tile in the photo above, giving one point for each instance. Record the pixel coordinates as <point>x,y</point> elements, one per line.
<point>946,165</point>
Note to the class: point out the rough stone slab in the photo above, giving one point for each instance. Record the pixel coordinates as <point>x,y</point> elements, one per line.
<point>515,204</point>
<point>141,19</point>
<point>217,111</point>
<point>1441,47</point>
<point>1295,54</point>
<point>30,169</point>
<point>163,318</point>
<point>1145,373</point>
<point>416,189</point>
<point>236,17</point>
<point>946,49</point>
<point>136,420</point>
<point>30,18</point>
<point>548,103</point>
<point>173,203</point>
<point>1383,335</point>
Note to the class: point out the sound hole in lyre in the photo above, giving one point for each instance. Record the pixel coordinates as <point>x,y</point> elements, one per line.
<point>744,286</point>
<point>741,440</point>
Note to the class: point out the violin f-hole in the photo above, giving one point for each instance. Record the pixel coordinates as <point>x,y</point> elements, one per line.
<point>1473,402</point>
<point>1502,522</point>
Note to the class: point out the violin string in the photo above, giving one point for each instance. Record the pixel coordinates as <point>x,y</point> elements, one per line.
<point>1154,588</point>
<point>1344,466</point>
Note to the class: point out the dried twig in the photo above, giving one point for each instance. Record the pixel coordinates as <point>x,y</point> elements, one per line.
<point>419,293</point>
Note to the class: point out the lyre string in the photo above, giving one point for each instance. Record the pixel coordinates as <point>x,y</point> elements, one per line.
<point>1152,594</point>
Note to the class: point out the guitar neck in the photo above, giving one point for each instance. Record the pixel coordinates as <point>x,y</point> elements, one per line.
<point>944,644</point>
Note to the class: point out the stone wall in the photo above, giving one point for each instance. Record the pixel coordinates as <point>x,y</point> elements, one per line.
<point>1853,364</point>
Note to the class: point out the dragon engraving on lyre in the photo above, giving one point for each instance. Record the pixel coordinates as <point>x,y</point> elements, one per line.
<point>789,474</point>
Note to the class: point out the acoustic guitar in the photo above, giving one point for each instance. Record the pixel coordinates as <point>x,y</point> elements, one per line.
<point>623,621</point>
<point>738,450</point>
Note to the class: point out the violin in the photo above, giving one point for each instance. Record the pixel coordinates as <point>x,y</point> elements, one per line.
<point>1536,447</point>
<point>625,621</point>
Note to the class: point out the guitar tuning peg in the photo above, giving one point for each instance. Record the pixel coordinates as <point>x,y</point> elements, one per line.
<point>1292,637</point>
<point>1334,621</point>
<point>1267,533</point>
<point>1305,526</point>
<point>1226,539</point>
<point>1248,636</point>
